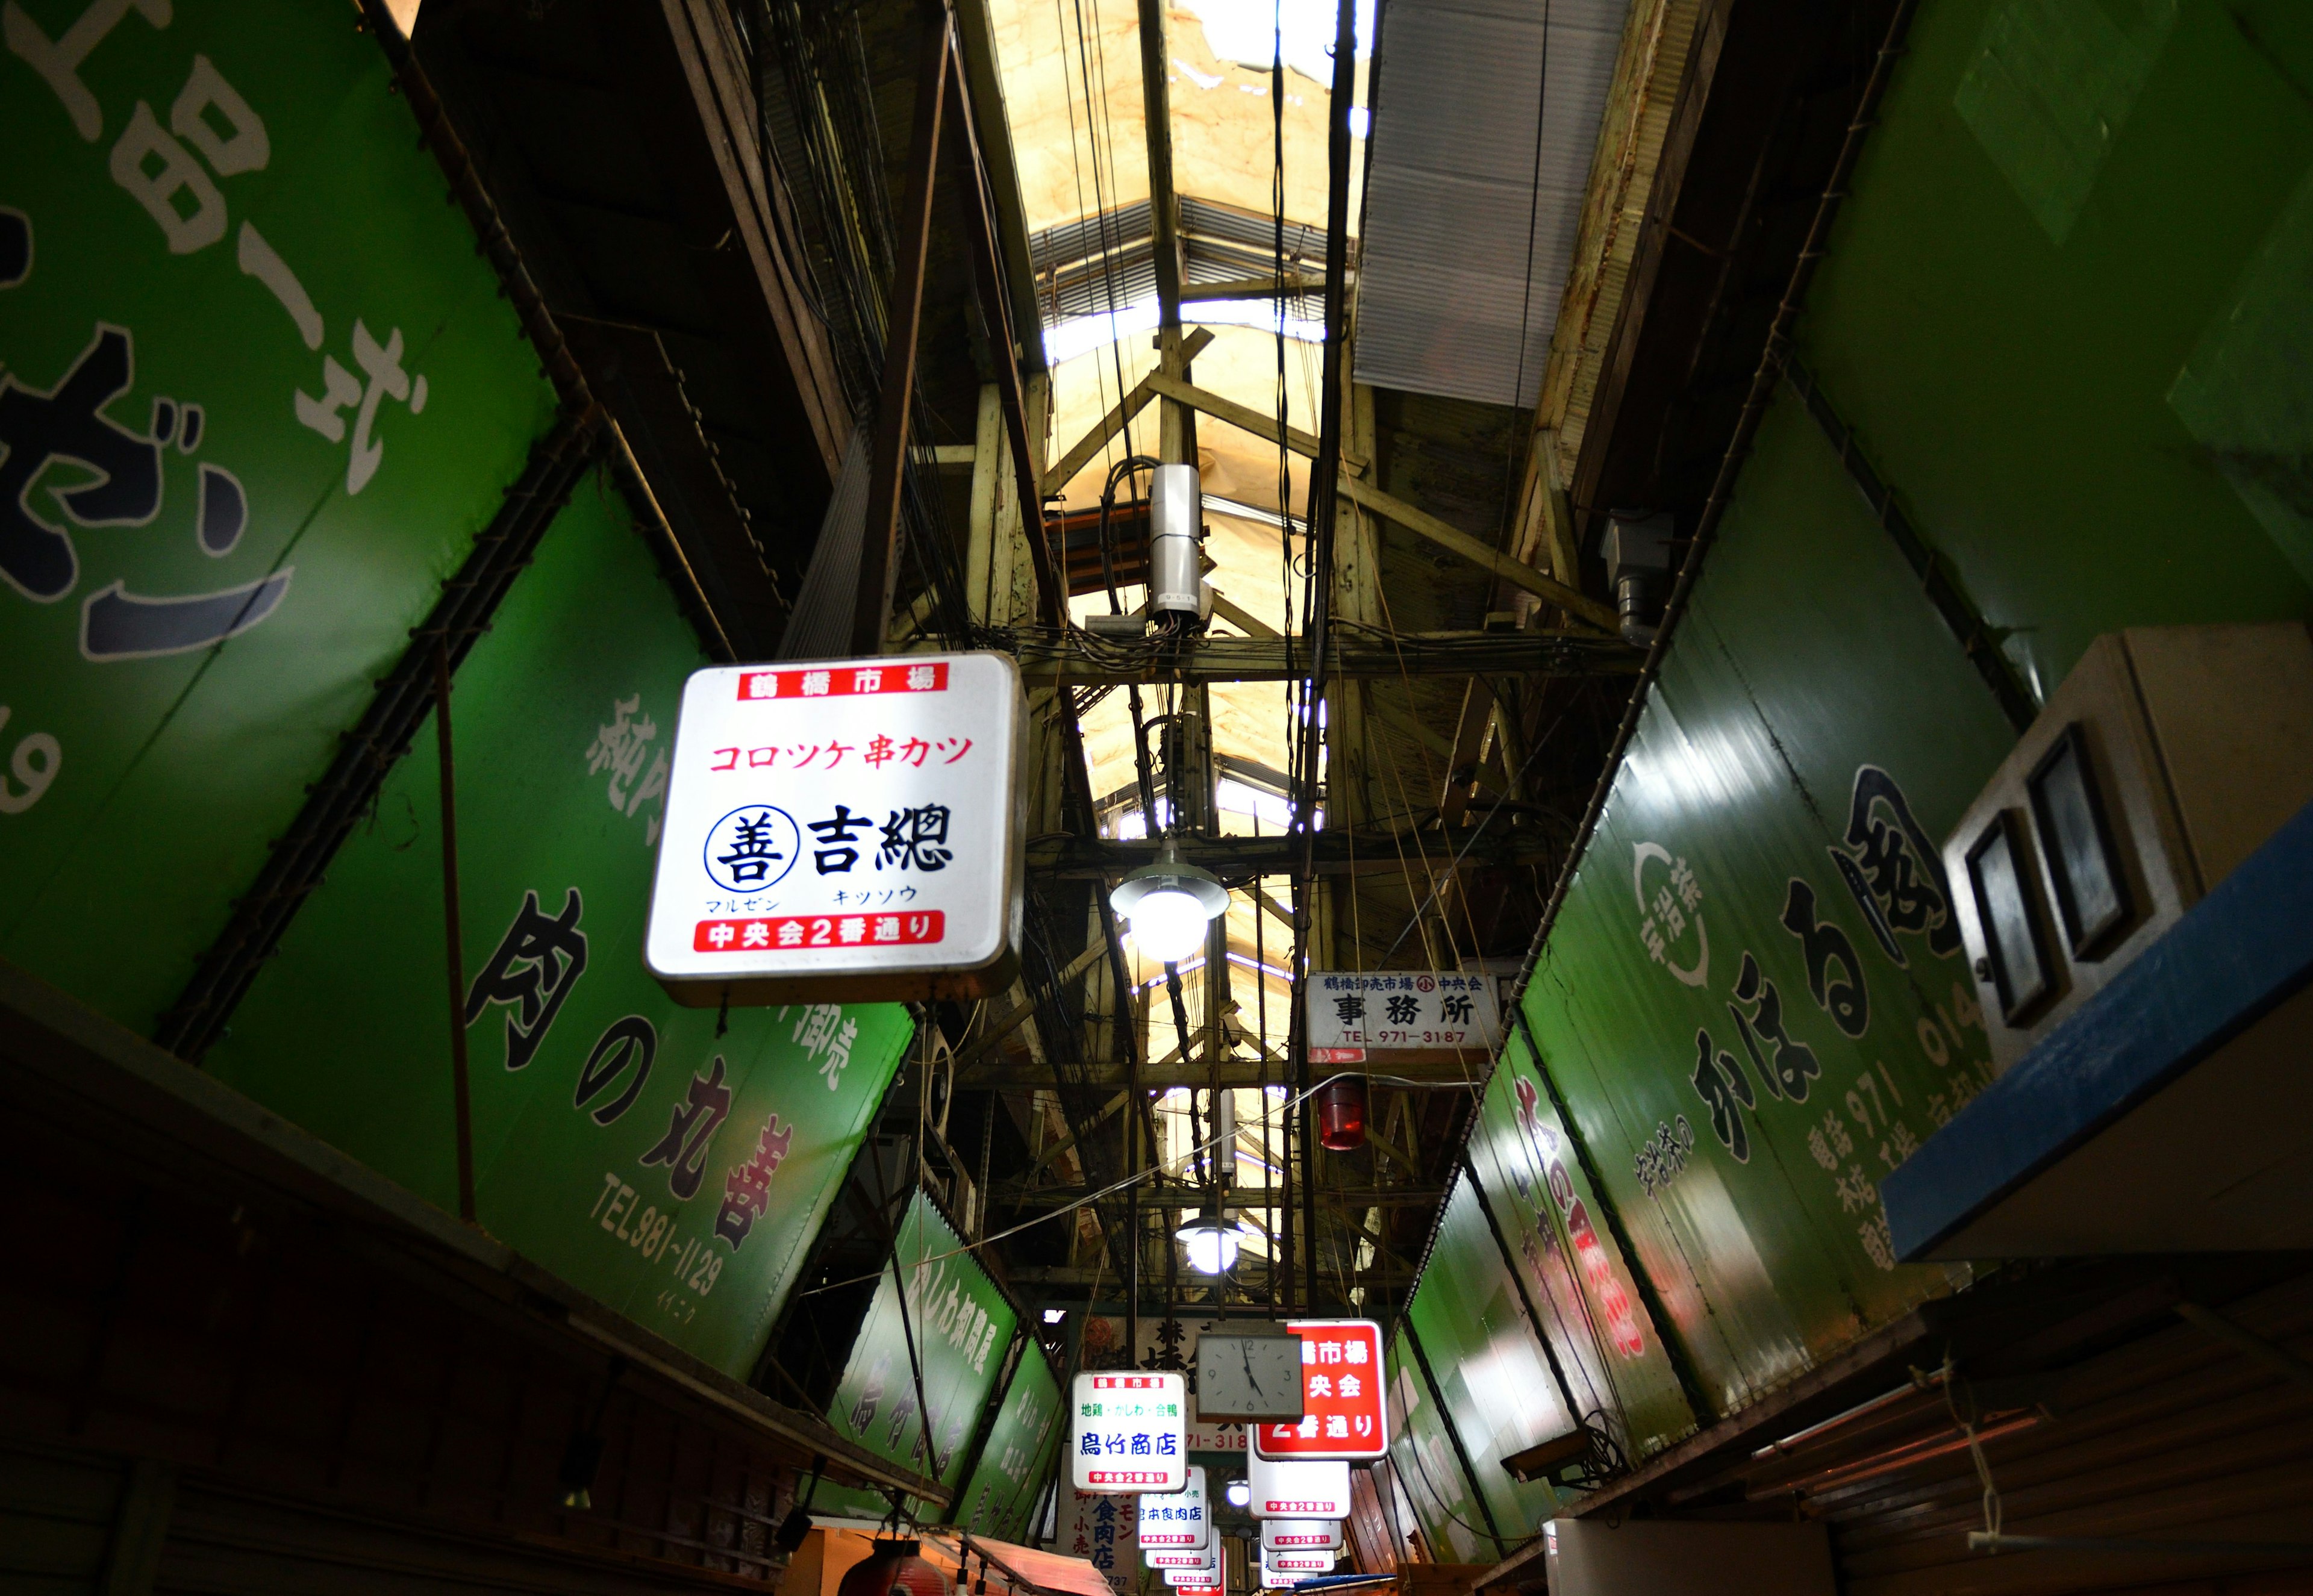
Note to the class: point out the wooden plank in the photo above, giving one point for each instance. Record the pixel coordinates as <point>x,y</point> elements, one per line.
<point>1460,542</point>
<point>1109,426</point>
<point>1389,506</point>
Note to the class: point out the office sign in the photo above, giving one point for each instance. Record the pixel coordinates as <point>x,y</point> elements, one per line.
<point>1343,1410</point>
<point>843,830</point>
<point>1400,1012</point>
<point>1176,1518</point>
<point>1125,1432</point>
<point>1297,1489</point>
<point>1300,1535</point>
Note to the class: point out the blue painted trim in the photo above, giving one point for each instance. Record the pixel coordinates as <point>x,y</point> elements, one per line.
<point>2229,960</point>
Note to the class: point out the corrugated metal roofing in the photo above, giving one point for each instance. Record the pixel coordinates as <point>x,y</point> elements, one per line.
<point>1454,185</point>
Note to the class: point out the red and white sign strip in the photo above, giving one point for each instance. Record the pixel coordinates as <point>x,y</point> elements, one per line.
<point>1300,1535</point>
<point>1125,1431</point>
<point>1178,1518</point>
<point>1177,1580</point>
<point>842,823</point>
<point>1296,1563</point>
<point>1311,1489</point>
<point>1344,1407</point>
<point>1207,1559</point>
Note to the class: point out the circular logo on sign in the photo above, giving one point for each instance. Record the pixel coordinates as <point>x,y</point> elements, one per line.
<point>1424,983</point>
<point>752,848</point>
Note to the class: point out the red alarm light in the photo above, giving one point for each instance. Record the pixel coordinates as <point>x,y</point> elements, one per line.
<point>1342,1114</point>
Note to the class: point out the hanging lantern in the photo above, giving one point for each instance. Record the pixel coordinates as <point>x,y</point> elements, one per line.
<point>894,1568</point>
<point>1342,1114</point>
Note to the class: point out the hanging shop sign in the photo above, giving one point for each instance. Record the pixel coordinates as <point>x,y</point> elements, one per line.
<point>1177,1518</point>
<point>1344,1411</point>
<point>1125,1432</point>
<point>1296,1564</point>
<point>1298,1489</point>
<point>1187,1584</point>
<point>1204,1561</point>
<point>1399,1013</point>
<point>1300,1535</point>
<point>842,831</point>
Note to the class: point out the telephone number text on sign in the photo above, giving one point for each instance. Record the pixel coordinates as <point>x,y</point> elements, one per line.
<point>843,682</point>
<point>818,931</point>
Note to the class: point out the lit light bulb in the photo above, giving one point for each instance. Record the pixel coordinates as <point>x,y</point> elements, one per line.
<point>1168,925</point>
<point>1239,1493</point>
<point>1212,1246</point>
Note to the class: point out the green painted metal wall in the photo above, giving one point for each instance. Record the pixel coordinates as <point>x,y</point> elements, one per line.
<point>1421,1451</point>
<point>2067,312</point>
<point>259,394</point>
<point>1016,1464</point>
<point>1491,1371</point>
<point>954,1334</point>
<point>670,1165</point>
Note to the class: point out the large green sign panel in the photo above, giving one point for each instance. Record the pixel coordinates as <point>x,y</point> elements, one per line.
<point>673,1167</point>
<point>2065,310</point>
<point>1017,1463</point>
<point>954,1335</point>
<point>1429,1469</point>
<point>257,395</point>
<point>1492,1373</point>
<point>1754,998</point>
<point>1574,1274</point>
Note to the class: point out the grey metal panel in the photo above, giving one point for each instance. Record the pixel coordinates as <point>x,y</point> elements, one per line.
<point>1452,187</point>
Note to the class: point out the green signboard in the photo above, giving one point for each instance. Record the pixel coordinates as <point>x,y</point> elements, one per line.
<point>1493,1374</point>
<point>2065,312</point>
<point>1754,998</point>
<point>1429,1470</point>
<point>257,393</point>
<point>1575,1276</point>
<point>1017,1463</point>
<point>671,1164</point>
<point>950,1343</point>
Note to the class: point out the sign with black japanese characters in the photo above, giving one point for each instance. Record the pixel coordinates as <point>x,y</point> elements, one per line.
<point>1352,1014</point>
<point>842,830</point>
<point>259,393</point>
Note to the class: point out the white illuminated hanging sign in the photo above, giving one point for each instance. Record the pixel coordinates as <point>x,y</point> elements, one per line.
<point>842,831</point>
<point>1344,1413</point>
<point>1125,1432</point>
<point>1297,1489</point>
<point>1300,1535</point>
<point>1178,1518</point>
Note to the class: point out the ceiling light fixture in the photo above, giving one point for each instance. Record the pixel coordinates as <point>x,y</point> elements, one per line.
<point>1169,904</point>
<point>1213,1241</point>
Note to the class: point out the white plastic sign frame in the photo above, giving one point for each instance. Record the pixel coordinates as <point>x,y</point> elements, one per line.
<point>1125,1431</point>
<point>1301,1488</point>
<point>1178,1518</point>
<point>1295,1535</point>
<point>843,831</point>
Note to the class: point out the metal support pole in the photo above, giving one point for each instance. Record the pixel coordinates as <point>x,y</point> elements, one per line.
<point>453,939</point>
<point>879,551</point>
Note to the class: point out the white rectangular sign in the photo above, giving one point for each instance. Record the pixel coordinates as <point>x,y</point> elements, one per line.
<point>1393,1011</point>
<point>1125,1431</point>
<point>1191,1581</point>
<point>1300,1535</point>
<point>1088,1527</point>
<point>842,831</point>
<point>1298,1490</point>
<point>1298,1563</point>
<point>1207,1559</point>
<point>1177,1518</point>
